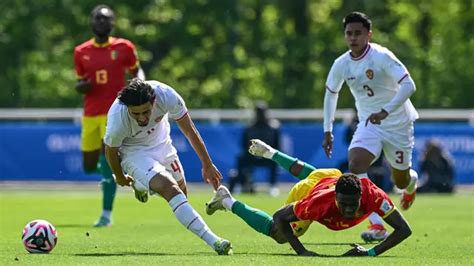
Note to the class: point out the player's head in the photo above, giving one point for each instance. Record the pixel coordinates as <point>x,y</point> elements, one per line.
<point>357,31</point>
<point>139,97</point>
<point>102,20</point>
<point>348,194</point>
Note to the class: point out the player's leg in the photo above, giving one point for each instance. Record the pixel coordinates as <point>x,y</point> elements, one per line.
<point>365,148</point>
<point>165,185</point>
<point>91,145</point>
<point>398,151</point>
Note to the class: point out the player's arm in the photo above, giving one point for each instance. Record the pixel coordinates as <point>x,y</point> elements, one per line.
<point>401,231</point>
<point>282,219</point>
<point>296,167</point>
<point>333,86</point>
<point>210,172</point>
<point>83,86</point>
<point>112,156</point>
<point>137,72</point>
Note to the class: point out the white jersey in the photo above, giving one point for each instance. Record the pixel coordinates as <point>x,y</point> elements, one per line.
<point>123,131</point>
<point>374,79</point>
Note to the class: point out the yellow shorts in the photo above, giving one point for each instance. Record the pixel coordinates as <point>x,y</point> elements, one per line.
<point>301,190</point>
<point>93,131</point>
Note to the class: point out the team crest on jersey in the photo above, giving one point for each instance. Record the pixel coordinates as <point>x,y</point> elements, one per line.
<point>114,54</point>
<point>369,73</point>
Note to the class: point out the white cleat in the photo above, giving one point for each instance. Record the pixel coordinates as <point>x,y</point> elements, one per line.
<point>261,149</point>
<point>215,203</point>
<point>141,196</point>
<point>223,247</point>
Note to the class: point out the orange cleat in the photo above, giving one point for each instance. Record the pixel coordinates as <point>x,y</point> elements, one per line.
<point>407,200</point>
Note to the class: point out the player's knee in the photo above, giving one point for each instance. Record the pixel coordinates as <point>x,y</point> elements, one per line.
<point>164,184</point>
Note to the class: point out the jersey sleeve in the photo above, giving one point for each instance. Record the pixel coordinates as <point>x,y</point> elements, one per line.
<point>131,60</point>
<point>335,77</point>
<point>80,71</point>
<point>174,104</point>
<point>114,132</point>
<point>380,202</point>
<point>394,67</point>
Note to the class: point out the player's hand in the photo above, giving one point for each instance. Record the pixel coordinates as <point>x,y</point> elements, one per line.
<point>123,180</point>
<point>376,118</point>
<point>327,143</point>
<point>83,86</point>
<point>212,175</point>
<point>356,251</point>
<point>259,148</point>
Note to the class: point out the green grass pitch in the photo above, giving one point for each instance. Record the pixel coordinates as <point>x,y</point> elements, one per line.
<point>145,234</point>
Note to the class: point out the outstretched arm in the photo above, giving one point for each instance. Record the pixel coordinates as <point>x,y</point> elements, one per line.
<point>210,172</point>
<point>282,219</point>
<point>296,167</point>
<point>401,232</point>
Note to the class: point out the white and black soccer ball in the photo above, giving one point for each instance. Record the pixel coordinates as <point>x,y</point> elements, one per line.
<point>39,236</point>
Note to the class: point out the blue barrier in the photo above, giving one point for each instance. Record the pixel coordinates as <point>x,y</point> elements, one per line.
<point>51,151</point>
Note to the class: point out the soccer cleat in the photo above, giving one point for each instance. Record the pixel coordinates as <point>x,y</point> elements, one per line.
<point>261,149</point>
<point>103,222</point>
<point>223,247</point>
<point>407,200</point>
<point>215,203</point>
<point>141,196</point>
<point>376,232</point>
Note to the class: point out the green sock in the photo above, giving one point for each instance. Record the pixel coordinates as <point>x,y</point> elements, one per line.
<point>259,220</point>
<point>286,161</point>
<point>108,184</point>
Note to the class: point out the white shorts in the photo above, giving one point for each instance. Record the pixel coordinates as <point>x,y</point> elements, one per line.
<point>144,165</point>
<point>396,143</point>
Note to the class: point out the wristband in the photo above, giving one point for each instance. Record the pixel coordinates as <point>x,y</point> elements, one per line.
<point>371,252</point>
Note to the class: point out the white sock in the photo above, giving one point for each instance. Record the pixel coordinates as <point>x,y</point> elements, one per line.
<point>228,202</point>
<point>106,213</point>
<point>188,217</point>
<point>362,175</point>
<point>374,218</point>
<point>413,179</point>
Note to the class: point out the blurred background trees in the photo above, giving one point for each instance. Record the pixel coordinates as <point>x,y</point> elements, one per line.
<point>227,53</point>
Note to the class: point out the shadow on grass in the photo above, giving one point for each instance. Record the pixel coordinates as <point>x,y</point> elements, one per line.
<point>334,244</point>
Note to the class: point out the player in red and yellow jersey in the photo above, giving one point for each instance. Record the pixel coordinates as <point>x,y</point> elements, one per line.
<point>338,201</point>
<point>101,66</point>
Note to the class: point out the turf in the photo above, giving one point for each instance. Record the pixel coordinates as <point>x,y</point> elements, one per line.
<point>149,234</point>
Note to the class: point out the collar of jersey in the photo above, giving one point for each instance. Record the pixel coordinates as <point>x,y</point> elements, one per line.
<point>366,51</point>
<point>107,43</point>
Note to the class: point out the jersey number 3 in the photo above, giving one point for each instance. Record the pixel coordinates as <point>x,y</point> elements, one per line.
<point>101,76</point>
<point>370,92</point>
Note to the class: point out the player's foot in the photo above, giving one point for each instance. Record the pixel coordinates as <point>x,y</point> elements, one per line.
<point>215,203</point>
<point>223,247</point>
<point>376,232</point>
<point>261,149</point>
<point>141,196</point>
<point>103,222</point>
<point>407,200</point>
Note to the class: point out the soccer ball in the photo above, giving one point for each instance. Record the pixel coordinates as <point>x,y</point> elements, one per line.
<point>39,236</point>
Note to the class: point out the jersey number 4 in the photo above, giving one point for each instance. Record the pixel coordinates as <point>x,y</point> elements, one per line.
<point>101,76</point>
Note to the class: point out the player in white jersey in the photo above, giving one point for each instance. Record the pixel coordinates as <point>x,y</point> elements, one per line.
<point>140,153</point>
<point>381,86</point>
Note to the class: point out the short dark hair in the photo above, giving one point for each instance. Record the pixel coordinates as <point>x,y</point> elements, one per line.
<point>357,17</point>
<point>99,7</point>
<point>348,184</point>
<point>137,92</point>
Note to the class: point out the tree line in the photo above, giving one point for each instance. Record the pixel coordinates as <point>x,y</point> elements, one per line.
<point>227,53</point>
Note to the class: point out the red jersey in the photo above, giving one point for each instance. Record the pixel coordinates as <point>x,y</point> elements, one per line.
<point>320,204</point>
<point>105,65</point>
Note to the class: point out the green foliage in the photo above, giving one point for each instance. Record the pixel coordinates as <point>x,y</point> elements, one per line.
<point>226,54</point>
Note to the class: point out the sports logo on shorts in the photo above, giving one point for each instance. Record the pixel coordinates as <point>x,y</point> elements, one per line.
<point>369,73</point>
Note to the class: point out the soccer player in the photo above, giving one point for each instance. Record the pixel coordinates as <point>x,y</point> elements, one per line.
<point>338,201</point>
<point>381,86</point>
<point>140,153</point>
<point>101,64</point>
